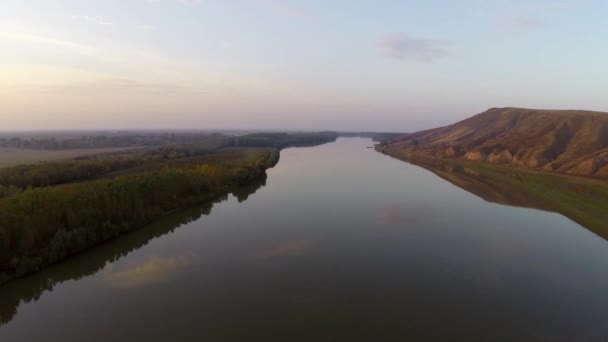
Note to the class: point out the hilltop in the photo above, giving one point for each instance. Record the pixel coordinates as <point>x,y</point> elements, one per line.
<point>563,141</point>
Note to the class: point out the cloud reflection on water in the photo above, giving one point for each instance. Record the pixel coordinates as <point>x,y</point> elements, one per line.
<point>283,249</point>
<point>155,270</point>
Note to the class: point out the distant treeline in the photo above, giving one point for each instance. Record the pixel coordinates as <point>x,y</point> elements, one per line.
<point>102,141</point>
<point>86,168</point>
<point>210,140</point>
<point>383,137</point>
<point>111,164</point>
<point>52,210</point>
<point>375,136</point>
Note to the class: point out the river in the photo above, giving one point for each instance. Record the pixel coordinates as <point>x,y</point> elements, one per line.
<point>340,243</point>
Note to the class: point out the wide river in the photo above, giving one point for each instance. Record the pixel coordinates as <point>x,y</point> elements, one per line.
<point>341,243</point>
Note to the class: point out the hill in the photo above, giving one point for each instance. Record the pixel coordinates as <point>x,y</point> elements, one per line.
<point>563,141</point>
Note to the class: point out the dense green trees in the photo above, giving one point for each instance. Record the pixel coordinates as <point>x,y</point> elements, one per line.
<point>145,159</point>
<point>86,168</point>
<point>282,140</point>
<point>49,211</point>
<point>39,226</point>
<point>15,293</point>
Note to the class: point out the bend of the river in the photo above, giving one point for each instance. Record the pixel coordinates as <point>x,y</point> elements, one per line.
<point>340,244</point>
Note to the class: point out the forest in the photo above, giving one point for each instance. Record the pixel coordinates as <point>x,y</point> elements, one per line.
<point>49,211</point>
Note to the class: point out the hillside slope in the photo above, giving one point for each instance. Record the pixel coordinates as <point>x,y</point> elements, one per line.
<point>571,142</point>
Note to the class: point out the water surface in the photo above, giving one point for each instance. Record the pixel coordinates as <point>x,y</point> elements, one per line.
<point>340,243</point>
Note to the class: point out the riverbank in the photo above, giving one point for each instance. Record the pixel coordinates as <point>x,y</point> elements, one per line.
<point>54,223</point>
<point>338,231</point>
<point>582,199</point>
<point>49,212</point>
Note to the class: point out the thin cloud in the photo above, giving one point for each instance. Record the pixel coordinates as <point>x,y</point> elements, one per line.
<point>85,50</point>
<point>145,27</point>
<point>99,20</point>
<point>522,22</point>
<point>406,48</point>
<point>189,2</point>
<point>185,2</point>
<point>283,8</point>
<point>524,15</point>
<point>119,86</point>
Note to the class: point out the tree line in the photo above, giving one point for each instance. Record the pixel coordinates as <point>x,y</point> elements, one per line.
<point>157,139</point>
<point>49,211</point>
<point>40,226</point>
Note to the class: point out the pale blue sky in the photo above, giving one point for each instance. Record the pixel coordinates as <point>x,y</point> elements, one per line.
<point>287,64</point>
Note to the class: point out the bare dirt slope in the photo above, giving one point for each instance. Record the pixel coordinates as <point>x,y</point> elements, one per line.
<point>563,141</point>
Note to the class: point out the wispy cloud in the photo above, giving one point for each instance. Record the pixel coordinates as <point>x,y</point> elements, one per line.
<point>522,22</point>
<point>189,2</point>
<point>117,85</point>
<point>185,2</point>
<point>97,19</point>
<point>118,70</point>
<point>85,50</point>
<point>283,8</point>
<point>525,15</point>
<point>406,48</point>
<point>103,21</point>
<point>144,27</point>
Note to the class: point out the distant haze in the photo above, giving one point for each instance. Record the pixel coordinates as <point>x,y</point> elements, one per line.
<point>286,64</point>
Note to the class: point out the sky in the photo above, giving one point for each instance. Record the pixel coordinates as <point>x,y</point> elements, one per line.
<point>382,65</point>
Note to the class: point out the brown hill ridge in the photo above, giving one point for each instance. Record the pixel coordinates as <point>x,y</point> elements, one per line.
<point>564,141</point>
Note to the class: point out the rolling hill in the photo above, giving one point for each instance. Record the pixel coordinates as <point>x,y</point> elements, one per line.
<point>563,141</point>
